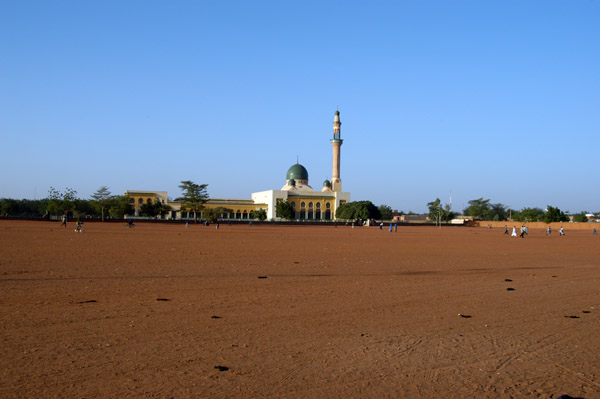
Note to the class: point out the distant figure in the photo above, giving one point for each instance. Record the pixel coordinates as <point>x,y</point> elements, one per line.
<point>381,226</point>
<point>561,231</point>
<point>130,223</point>
<point>391,228</point>
<point>526,230</point>
<point>506,229</point>
<point>594,233</point>
<point>217,223</point>
<point>352,224</point>
<point>79,227</point>
<point>522,235</point>
<point>549,231</point>
<point>64,221</point>
<point>187,224</point>
<point>514,232</point>
<point>395,227</point>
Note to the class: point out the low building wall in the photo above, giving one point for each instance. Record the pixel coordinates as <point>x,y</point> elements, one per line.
<point>540,225</point>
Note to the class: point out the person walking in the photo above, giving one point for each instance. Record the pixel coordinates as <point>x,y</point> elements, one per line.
<point>561,231</point>
<point>549,231</point>
<point>505,229</point>
<point>64,221</point>
<point>594,232</point>
<point>514,232</point>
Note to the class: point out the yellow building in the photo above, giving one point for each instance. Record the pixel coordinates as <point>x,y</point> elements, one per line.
<point>307,203</point>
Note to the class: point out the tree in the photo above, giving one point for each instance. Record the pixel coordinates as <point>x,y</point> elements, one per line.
<point>212,214</point>
<point>101,196</point>
<point>496,212</point>
<point>61,203</point>
<point>529,215</point>
<point>435,210</point>
<point>284,210</point>
<point>580,217</point>
<point>260,214</point>
<point>119,206</point>
<point>438,212</point>
<point>386,212</point>
<point>149,209</point>
<point>358,210</point>
<point>194,197</point>
<point>478,208</point>
<point>554,215</point>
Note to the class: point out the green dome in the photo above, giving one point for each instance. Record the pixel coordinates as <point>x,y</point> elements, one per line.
<point>326,183</point>
<point>297,172</point>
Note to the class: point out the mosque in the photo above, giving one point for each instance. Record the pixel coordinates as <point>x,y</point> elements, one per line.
<point>306,203</point>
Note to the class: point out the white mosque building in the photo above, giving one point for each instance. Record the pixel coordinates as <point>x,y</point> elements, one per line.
<point>306,203</point>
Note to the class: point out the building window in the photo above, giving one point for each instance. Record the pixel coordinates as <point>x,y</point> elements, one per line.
<point>149,201</point>
<point>140,201</point>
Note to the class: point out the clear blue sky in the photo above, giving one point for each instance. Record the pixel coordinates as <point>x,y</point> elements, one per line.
<point>494,99</point>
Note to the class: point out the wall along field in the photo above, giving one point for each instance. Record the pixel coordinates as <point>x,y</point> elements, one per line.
<point>261,311</point>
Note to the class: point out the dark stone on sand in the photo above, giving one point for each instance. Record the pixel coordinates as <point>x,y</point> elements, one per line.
<point>262,276</point>
<point>162,299</point>
<point>466,316</point>
<point>215,317</point>
<point>222,368</point>
<point>568,397</point>
<point>89,301</point>
<point>587,311</point>
<point>510,289</point>
<point>572,317</point>
<point>507,280</point>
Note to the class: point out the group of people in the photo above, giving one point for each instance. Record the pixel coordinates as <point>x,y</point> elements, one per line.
<point>393,226</point>
<point>524,231</point>
<point>78,226</point>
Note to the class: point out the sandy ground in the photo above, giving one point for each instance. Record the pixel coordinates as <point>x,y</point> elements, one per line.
<point>152,312</point>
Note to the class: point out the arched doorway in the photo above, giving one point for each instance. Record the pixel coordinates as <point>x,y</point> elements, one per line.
<point>296,216</point>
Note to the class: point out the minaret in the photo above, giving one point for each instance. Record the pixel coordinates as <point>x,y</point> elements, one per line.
<point>336,143</point>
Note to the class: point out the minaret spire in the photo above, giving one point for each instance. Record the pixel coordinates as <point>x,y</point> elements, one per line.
<point>336,143</point>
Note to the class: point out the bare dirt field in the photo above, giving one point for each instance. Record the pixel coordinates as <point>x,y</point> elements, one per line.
<point>296,312</point>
